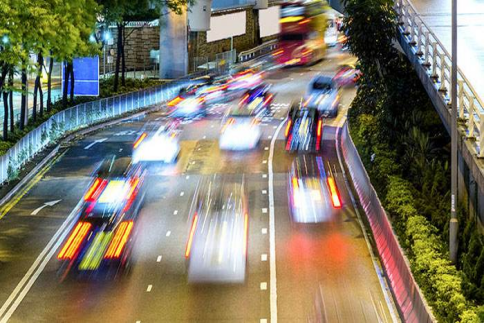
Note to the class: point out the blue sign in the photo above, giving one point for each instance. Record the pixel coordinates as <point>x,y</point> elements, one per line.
<point>86,76</point>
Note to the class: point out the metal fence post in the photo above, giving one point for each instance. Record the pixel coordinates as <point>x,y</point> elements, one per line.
<point>434,60</point>
<point>412,34</point>
<point>427,49</point>
<point>419,39</point>
<point>461,95</point>
<point>481,136</point>
<point>472,120</point>
<point>443,65</point>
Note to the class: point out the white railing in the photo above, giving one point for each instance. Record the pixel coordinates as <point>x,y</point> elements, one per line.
<point>258,51</point>
<point>75,118</point>
<point>437,62</point>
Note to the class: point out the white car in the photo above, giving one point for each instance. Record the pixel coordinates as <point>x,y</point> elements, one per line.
<point>323,95</point>
<point>161,145</point>
<point>241,131</point>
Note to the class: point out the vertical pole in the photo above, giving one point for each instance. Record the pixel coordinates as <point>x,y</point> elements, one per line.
<point>454,226</point>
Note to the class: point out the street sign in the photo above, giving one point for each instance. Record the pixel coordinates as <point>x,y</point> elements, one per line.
<point>86,76</point>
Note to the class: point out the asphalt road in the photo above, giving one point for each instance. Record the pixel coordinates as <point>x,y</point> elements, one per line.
<point>322,272</point>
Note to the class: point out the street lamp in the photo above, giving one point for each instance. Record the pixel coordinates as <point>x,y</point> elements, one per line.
<point>106,37</point>
<point>454,225</point>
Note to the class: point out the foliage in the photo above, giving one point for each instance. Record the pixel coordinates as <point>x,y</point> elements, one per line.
<point>105,90</point>
<point>404,147</point>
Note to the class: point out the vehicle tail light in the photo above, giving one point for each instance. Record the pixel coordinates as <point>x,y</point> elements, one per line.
<point>174,101</point>
<point>190,237</point>
<point>244,100</point>
<point>119,240</point>
<point>277,53</point>
<point>139,140</point>
<point>229,122</point>
<point>246,231</point>
<point>72,245</point>
<point>305,21</point>
<point>288,127</point>
<point>320,127</point>
<point>268,99</point>
<point>96,188</point>
<point>333,190</point>
<point>131,193</point>
<point>288,143</point>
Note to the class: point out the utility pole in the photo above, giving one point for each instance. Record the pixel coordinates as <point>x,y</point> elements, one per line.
<point>454,225</point>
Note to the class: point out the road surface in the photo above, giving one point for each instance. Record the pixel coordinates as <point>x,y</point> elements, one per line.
<point>322,272</point>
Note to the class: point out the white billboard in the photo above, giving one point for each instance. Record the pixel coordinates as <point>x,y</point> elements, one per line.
<point>226,26</point>
<point>269,21</point>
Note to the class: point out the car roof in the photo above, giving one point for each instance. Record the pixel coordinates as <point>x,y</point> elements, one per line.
<point>323,79</point>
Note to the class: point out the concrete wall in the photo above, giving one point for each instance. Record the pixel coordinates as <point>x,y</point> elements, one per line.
<point>138,46</point>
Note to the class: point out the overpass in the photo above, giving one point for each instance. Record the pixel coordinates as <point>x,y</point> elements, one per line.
<point>424,34</point>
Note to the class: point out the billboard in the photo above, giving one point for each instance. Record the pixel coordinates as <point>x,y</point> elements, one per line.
<point>269,21</point>
<point>226,26</point>
<point>86,76</point>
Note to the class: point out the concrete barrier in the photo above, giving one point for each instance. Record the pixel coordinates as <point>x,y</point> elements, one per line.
<point>409,299</point>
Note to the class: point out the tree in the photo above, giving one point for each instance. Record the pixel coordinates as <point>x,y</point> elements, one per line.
<point>120,12</point>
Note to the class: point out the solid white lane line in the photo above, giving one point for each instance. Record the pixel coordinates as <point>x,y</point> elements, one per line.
<point>158,259</point>
<point>264,231</point>
<point>37,267</point>
<point>149,288</point>
<point>175,212</point>
<point>263,257</point>
<point>272,228</point>
<point>263,286</point>
<point>168,233</point>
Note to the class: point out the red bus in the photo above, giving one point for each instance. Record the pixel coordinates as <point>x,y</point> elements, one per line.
<point>301,40</point>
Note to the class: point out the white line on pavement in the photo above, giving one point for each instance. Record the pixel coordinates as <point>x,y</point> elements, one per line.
<point>182,193</point>
<point>175,212</point>
<point>272,228</point>
<point>263,286</point>
<point>168,233</point>
<point>158,259</point>
<point>37,267</point>
<point>149,288</point>
<point>263,257</point>
<point>264,210</point>
<point>264,192</point>
<point>264,231</point>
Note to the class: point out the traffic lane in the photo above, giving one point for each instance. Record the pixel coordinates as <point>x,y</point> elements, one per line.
<point>169,299</point>
<point>326,263</point>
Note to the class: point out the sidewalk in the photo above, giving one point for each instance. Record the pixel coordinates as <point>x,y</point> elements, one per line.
<point>470,20</point>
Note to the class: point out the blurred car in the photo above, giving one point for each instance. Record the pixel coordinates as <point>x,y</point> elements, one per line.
<point>347,74</point>
<point>157,143</point>
<point>304,128</point>
<point>308,196</point>
<point>244,79</point>
<point>241,129</point>
<point>258,99</point>
<point>323,95</point>
<point>102,236</point>
<point>188,106</point>
<point>216,249</point>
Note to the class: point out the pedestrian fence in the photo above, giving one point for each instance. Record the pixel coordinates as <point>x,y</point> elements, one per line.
<point>258,51</point>
<point>438,64</point>
<point>78,117</point>
<point>409,299</point>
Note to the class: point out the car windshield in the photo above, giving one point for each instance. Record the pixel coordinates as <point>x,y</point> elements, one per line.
<point>291,37</point>
<point>322,86</point>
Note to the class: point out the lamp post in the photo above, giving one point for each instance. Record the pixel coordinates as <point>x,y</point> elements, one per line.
<point>454,225</point>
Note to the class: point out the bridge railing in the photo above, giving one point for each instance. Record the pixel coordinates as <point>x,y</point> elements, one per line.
<point>258,51</point>
<point>437,62</point>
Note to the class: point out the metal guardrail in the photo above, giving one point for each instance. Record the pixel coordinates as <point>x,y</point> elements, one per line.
<point>409,299</point>
<point>258,51</point>
<point>80,116</point>
<point>437,61</point>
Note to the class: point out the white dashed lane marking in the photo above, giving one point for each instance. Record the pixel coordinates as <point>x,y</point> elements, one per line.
<point>149,288</point>
<point>264,231</point>
<point>182,194</point>
<point>264,210</point>
<point>264,176</point>
<point>158,259</point>
<point>263,286</point>
<point>168,233</point>
<point>263,257</point>
<point>264,192</point>
<point>175,212</point>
